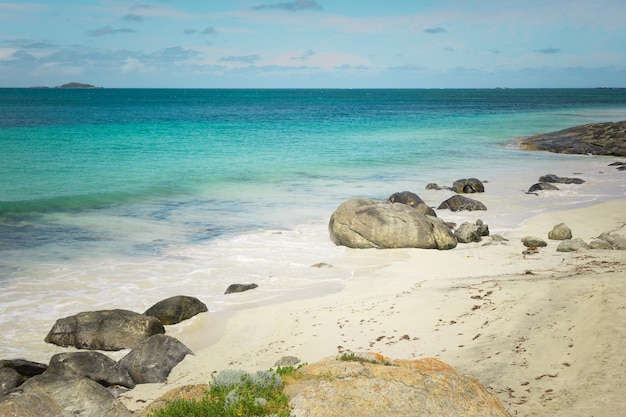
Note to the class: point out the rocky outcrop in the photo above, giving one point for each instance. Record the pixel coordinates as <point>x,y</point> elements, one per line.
<point>593,138</point>
<point>54,395</point>
<point>560,232</point>
<point>175,309</point>
<point>468,185</point>
<point>92,365</point>
<point>104,330</point>
<point>460,203</point>
<point>560,180</point>
<point>369,223</point>
<point>426,387</point>
<point>233,288</point>
<point>153,359</point>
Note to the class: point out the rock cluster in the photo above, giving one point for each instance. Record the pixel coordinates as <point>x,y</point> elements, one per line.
<point>404,220</point>
<point>567,243</point>
<point>83,383</point>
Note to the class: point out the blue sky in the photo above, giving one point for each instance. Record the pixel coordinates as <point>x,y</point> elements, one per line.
<point>314,43</point>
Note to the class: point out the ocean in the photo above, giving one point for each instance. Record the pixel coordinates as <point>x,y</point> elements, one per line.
<point>119,198</point>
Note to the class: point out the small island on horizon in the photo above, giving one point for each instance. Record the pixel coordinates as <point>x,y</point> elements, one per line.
<point>71,85</point>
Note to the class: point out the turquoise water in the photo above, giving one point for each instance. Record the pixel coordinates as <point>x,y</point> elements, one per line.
<point>112,197</point>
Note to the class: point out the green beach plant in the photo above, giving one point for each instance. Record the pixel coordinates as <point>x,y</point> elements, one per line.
<point>235,393</point>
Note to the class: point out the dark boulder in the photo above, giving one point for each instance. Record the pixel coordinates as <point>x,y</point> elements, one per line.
<point>153,359</point>
<point>92,365</point>
<point>560,180</point>
<point>413,200</point>
<point>468,185</point>
<point>368,223</point>
<point>405,197</point>
<point>176,309</point>
<point>461,203</point>
<point>233,288</point>
<point>9,379</point>
<point>54,395</point>
<point>104,330</point>
<point>25,368</point>
<point>542,186</point>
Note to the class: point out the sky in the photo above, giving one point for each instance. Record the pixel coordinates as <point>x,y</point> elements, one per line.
<point>314,43</point>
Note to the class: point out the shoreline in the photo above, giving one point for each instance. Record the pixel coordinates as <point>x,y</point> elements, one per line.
<point>541,331</point>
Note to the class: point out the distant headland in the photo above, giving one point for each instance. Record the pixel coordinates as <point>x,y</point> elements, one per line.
<point>71,85</point>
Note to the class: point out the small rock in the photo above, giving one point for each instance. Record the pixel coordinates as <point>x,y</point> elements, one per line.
<point>287,361</point>
<point>572,245</point>
<point>467,233</point>
<point>530,241</point>
<point>232,288</point>
<point>542,186</point>
<point>560,232</point>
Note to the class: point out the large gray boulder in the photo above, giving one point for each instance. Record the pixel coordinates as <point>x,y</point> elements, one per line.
<point>420,388</point>
<point>461,203</point>
<point>92,365</point>
<point>368,223</point>
<point>176,309</point>
<point>468,185</point>
<point>153,359</point>
<point>104,330</point>
<point>54,395</point>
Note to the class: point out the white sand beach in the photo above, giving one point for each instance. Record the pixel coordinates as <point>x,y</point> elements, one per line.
<point>545,332</point>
